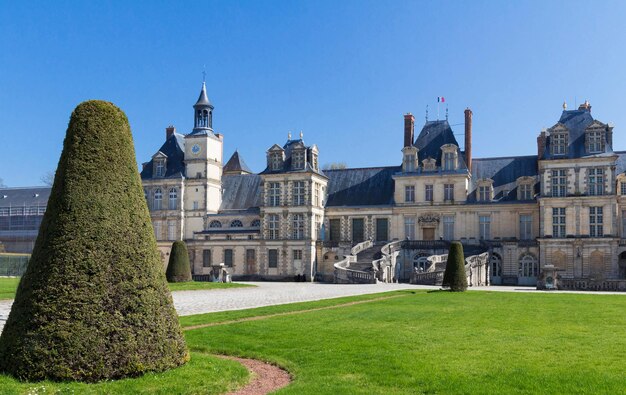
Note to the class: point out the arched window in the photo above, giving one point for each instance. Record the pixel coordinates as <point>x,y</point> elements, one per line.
<point>256,223</point>
<point>420,262</point>
<point>173,199</point>
<point>528,266</point>
<point>215,224</point>
<point>495,262</point>
<point>158,198</point>
<point>236,224</point>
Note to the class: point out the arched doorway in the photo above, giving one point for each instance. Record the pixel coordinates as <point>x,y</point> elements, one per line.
<point>495,266</point>
<point>420,262</point>
<point>528,270</point>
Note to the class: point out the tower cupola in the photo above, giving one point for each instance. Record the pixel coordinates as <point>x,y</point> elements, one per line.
<point>203,113</point>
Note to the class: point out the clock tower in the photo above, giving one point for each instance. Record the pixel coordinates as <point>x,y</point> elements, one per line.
<point>203,167</point>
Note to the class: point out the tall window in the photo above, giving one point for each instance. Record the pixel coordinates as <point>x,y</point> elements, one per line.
<point>558,222</point>
<point>298,193</point>
<point>173,199</point>
<point>525,226</point>
<point>525,192</point>
<point>228,257</point>
<point>448,227</point>
<point>528,266</point>
<point>409,228</point>
<point>428,192</point>
<point>157,229</point>
<point>559,183</point>
<point>595,142</point>
<point>409,193</point>
<point>273,223</point>
<point>160,168</point>
<point>409,162</point>
<point>448,192</point>
<point>484,227</point>
<point>314,161</point>
<point>272,258</point>
<point>596,182</point>
<point>298,159</point>
<point>318,226</point>
<point>298,227</point>
<point>484,193</point>
<point>158,199</point>
<point>559,143</point>
<point>595,222</point>
<point>274,194</point>
<point>171,230</point>
<point>316,194</point>
<point>207,258</point>
<point>449,161</point>
<point>297,255</point>
<point>335,229</point>
<point>195,205</point>
<point>622,186</point>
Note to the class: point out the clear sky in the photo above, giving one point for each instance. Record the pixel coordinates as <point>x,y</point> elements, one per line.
<point>344,72</point>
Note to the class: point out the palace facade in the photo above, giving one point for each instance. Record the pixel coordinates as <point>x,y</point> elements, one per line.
<point>564,206</point>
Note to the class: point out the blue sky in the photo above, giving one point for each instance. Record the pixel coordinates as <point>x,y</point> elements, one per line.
<point>344,72</point>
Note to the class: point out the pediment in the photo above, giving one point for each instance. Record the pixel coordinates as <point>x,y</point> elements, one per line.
<point>159,155</point>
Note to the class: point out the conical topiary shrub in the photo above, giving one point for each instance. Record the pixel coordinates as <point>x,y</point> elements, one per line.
<point>178,267</point>
<point>93,303</point>
<point>454,276</point>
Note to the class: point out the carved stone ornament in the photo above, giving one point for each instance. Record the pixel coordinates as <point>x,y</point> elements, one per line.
<point>428,219</point>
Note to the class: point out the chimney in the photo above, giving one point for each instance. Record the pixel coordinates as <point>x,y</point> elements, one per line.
<point>169,131</point>
<point>541,144</point>
<point>409,127</point>
<point>468,138</point>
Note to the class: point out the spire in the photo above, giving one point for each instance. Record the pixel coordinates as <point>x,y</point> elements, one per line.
<point>203,99</point>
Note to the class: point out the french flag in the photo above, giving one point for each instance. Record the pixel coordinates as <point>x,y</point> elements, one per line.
<point>441,99</point>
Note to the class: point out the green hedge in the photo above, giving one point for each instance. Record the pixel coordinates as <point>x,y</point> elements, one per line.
<point>178,267</point>
<point>93,303</point>
<point>454,276</point>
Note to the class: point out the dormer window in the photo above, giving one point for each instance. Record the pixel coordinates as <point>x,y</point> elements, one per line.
<point>409,161</point>
<point>159,168</point>
<point>429,164</point>
<point>297,159</point>
<point>449,158</point>
<point>314,161</point>
<point>277,161</point>
<point>595,140</point>
<point>559,143</point>
<point>485,190</point>
<point>525,188</point>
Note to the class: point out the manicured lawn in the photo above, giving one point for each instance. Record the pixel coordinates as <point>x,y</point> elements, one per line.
<point>419,342</point>
<point>8,286</point>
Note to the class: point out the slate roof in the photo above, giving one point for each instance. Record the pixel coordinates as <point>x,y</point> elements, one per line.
<point>620,163</point>
<point>28,196</point>
<point>241,192</point>
<point>576,121</point>
<point>372,186</point>
<point>236,164</point>
<point>433,135</point>
<point>174,149</point>
<point>203,99</point>
<point>288,148</point>
<point>504,172</point>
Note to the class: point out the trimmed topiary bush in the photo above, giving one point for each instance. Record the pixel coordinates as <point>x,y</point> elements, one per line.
<point>178,267</point>
<point>454,276</point>
<point>93,303</point>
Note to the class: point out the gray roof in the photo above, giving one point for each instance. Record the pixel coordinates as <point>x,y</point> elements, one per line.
<point>236,164</point>
<point>288,148</point>
<point>241,192</point>
<point>203,99</point>
<point>620,163</point>
<point>372,186</point>
<point>504,172</point>
<point>433,135</point>
<point>174,149</point>
<point>28,196</point>
<point>576,121</point>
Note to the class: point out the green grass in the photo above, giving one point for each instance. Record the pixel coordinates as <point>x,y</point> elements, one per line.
<point>420,342</point>
<point>8,286</point>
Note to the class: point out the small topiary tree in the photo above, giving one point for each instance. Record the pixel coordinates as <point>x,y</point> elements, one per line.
<point>454,276</point>
<point>178,267</point>
<point>93,303</point>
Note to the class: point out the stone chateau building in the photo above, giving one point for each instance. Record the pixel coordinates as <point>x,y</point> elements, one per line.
<point>565,206</point>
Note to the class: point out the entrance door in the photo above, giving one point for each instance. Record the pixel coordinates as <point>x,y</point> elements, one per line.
<point>251,262</point>
<point>335,230</point>
<point>382,229</point>
<point>358,234</point>
<point>429,233</point>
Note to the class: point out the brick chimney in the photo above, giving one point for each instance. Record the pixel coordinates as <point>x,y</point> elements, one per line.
<point>169,131</point>
<point>541,144</point>
<point>409,128</point>
<point>468,138</point>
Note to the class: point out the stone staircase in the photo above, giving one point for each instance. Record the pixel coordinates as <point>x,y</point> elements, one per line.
<point>365,258</point>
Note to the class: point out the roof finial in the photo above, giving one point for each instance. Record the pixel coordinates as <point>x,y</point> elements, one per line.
<point>427,113</point>
<point>301,135</point>
<point>204,74</point>
<point>564,105</point>
<point>289,135</point>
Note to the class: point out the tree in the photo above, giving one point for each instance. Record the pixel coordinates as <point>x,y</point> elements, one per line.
<point>454,276</point>
<point>334,166</point>
<point>93,303</point>
<point>48,178</point>
<point>178,267</point>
